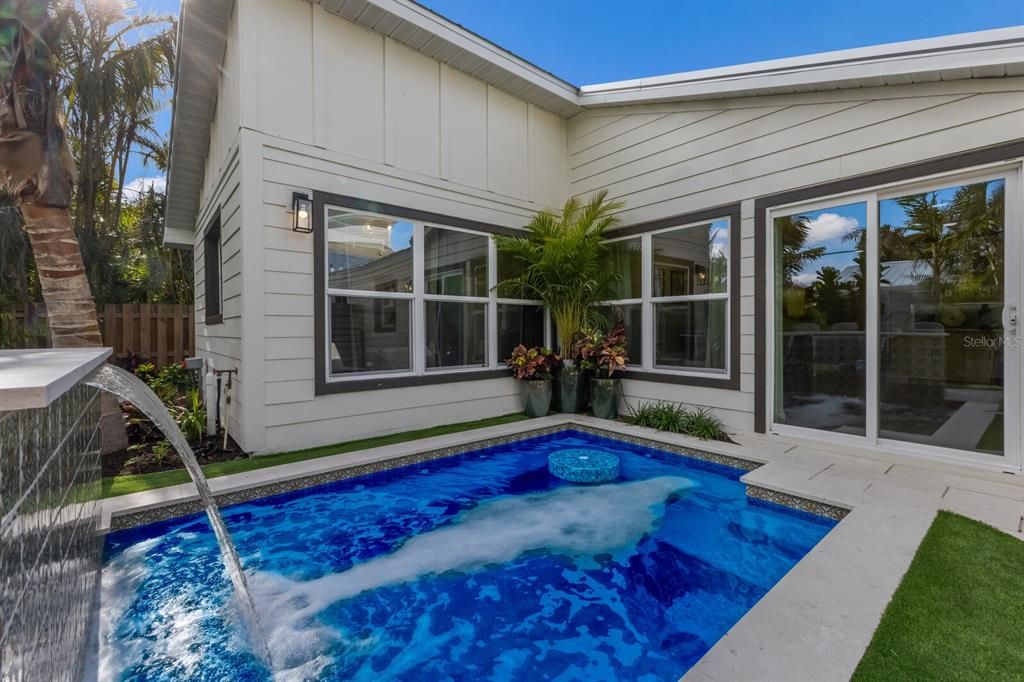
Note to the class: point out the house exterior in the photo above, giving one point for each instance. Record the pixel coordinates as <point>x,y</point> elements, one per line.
<point>744,188</point>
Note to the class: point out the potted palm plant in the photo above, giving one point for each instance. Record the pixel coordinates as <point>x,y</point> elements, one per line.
<point>563,262</point>
<point>609,357</point>
<point>533,366</point>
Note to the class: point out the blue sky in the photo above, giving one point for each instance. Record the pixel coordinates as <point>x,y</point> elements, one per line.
<point>594,41</point>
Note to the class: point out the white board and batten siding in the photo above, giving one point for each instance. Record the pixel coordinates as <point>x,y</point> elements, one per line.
<point>337,108</point>
<point>670,159</point>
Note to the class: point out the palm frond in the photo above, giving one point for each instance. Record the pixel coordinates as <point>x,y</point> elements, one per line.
<point>564,262</point>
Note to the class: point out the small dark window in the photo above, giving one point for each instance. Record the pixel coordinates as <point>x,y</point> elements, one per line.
<point>211,266</point>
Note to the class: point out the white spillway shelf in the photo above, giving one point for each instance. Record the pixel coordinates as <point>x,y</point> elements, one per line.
<point>32,378</point>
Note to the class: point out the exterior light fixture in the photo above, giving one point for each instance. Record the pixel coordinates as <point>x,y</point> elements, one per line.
<point>302,213</point>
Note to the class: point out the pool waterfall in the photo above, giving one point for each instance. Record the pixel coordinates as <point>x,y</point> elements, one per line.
<point>127,386</point>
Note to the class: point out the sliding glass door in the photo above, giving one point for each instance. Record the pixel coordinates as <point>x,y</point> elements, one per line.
<point>895,317</point>
<point>942,297</point>
<point>820,311</point>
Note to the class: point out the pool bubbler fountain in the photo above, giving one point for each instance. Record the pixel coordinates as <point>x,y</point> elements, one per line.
<point>583,465</point>
<point>127,386</point>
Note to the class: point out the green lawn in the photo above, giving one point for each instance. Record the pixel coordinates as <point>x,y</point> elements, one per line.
<point>959,612</point>
<point>122,485</point>
<point>992,439</point>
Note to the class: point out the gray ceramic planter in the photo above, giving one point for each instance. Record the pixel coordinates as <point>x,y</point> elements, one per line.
<point>538,397</point>
<point>604,397</point>
<point>572,386</point>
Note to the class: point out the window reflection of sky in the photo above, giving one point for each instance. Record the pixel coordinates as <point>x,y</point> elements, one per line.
<point>719,238</point>
<point>829,228</point>
<point>401,235</point>
<point>891,213</point>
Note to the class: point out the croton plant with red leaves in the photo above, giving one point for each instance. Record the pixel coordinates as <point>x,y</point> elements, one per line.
<point>604,352</point>
<point>532,363</point>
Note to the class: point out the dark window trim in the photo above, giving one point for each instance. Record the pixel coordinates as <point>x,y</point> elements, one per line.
<point>217,317</point>
<point>321,384</point>
<point>366,205</point>
<point>979,157</point>
<point>679,220</point>
<point>730,382</point>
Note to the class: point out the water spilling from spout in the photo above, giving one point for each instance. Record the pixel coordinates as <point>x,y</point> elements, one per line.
<point>127,386</point>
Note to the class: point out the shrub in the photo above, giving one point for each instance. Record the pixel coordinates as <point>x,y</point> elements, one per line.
<point>606,352</point>
<point>674,418</point>
<point>704,425</point>
<point>658,415</point>
<point>161,453</point>
<point>610,354</point>
<point>172,382</point>
<point>146,371</point>
<point>532,363</point>
<point>584,348</point>
<point>191,417</point>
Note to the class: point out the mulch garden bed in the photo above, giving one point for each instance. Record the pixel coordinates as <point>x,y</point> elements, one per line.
<point>149,452</point>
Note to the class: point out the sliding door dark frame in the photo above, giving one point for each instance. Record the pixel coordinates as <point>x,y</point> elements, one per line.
<point>945,164</point>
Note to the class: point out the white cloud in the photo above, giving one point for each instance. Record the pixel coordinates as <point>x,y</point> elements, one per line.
<point>829,226</point>
<point>805,279</point>
<point>133,188</point>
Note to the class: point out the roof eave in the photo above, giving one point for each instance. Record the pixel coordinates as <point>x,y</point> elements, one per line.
<point>944,58</point>
<point>202,38</point>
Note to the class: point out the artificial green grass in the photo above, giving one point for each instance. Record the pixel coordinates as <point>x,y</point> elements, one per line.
<point>958,613</point>
<point>992,439</point>
<point>133,483</point>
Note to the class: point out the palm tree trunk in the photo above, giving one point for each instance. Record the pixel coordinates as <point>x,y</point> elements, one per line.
<point>69,303</point>
<point>70,308</point>
<point>36,167</point>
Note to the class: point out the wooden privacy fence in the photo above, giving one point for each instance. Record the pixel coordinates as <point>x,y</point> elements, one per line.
<point>160,333</point>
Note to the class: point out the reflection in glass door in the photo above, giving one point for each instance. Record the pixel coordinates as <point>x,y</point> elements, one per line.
<point>894,317</point>
<point>941,296</point>
<point>820,318</point>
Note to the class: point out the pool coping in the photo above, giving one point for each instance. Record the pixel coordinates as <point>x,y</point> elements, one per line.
<point>160,504</point>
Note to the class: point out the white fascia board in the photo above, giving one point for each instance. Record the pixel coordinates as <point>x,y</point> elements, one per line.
<point>177,238</point>
<point>968,50</point>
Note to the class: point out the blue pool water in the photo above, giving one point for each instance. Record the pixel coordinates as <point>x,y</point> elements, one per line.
<point>481,566</point>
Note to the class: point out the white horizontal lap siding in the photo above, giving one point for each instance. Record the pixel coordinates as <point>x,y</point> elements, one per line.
<point>351,416</point>
<point>221,343</point>
<point>735,409</point>
<point>294,416</point>
<point>670,159</point>
<point>759,146</point>
<point>298,166</point>
<point>747,290</point>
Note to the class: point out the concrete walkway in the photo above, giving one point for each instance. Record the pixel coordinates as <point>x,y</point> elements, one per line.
<point>817,621</point>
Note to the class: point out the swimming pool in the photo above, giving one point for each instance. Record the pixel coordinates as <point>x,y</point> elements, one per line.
<point>479,566</point>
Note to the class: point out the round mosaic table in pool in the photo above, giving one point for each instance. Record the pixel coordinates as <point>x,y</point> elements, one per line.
<point>582,465</point>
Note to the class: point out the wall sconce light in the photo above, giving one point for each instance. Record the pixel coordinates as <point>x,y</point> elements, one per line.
<point>302,213</point>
